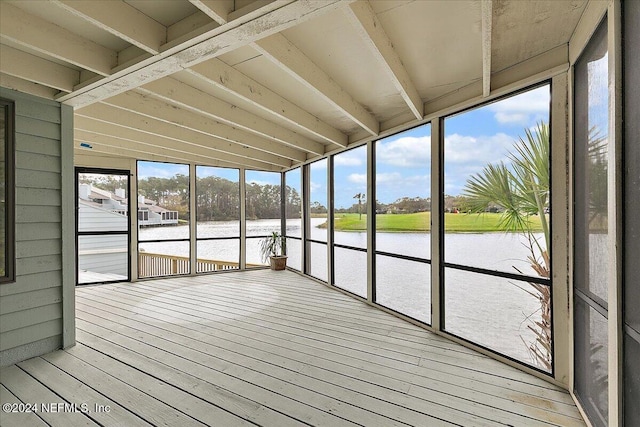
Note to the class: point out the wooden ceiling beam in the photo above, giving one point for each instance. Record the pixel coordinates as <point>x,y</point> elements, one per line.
<point>129,119</point>
<point>110,155</point>
<point>487,24</point>
<point>32,68</point>
<point>255,7</point>
<point>156,109</point>
<point>189,98</point>
<point>370,29</point>
<point>289,58</point>
<point>139,150</point>
<point>214,43</point>
<point>218,10</point>
<point>35,33</point>
<point>232,81</point>
<point>21,85</point>
<point>120,19</point>
<point>92,130</point>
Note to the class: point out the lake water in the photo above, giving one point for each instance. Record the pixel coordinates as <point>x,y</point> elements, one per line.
<point>491,311</point>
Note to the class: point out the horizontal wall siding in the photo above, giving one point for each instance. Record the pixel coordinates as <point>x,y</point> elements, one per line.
<point>31,307</point>
<point>106,254</point>
<point>32,333</point>
<point>92,218</point>
<point>33,282</point>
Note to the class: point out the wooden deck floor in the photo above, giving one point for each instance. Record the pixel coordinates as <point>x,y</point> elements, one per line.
<point>266,348</point>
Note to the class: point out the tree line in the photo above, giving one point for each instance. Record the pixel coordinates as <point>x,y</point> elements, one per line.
<point>218,199</point>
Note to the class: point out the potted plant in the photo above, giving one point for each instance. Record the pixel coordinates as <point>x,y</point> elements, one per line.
<point>274,248</point>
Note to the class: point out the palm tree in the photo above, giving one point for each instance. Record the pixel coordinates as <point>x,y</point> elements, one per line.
<point>522,190</point>
<point>360,197</point>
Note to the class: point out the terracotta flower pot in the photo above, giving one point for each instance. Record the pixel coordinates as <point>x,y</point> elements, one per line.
<point>278,262</point>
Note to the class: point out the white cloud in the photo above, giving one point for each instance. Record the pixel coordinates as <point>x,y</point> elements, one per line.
<point>314,186</point>
<point>319,164</point>
<point>418,180</point>
<point>524,108</point>
<point>468,155</point>
<point>350,159</point>
<point>409,152</point>
<point>388,178</point>
<point>160,172</point>
<point>461,149</point>
<point>358,178</point>
<point>515,118</point>
<point>392,186</point>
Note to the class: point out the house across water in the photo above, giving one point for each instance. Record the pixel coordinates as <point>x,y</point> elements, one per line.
<point>104,256</point>
<point>102,206</point>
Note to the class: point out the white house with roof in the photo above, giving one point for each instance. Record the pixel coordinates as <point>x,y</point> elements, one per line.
<point>104,209</point>
<point>101,210</point>
<point>150,214</point>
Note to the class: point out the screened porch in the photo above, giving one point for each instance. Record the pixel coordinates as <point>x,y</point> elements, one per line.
<point>450,182</point>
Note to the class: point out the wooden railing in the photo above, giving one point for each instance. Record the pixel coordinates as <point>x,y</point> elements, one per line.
<point>151,265</point>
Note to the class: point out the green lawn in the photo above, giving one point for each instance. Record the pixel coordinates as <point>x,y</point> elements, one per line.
<point>417,222</point>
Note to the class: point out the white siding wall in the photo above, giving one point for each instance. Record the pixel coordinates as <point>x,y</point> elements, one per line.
<point>31,307</point>
<point>91,218</point>
<point>107,254</point>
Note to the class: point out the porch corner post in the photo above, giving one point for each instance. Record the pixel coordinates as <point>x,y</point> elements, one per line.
<point>615,219</point>
<point>561,246</point>
<point>67,176</point>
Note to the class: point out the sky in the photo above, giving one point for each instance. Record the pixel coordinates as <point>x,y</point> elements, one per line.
<point>167,170</point>
<point>473,139</point>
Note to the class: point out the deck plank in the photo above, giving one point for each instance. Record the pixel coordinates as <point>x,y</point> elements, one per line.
<point>29,390</point>
<point>120,391</point>
<point>18,418</point>
<point>74,391</point>
<point>282,396</point>
<point>565,413</point>
<point>345,391</point>
<point>442,394</point>
<point>295,327</point>
<point>270,348</point>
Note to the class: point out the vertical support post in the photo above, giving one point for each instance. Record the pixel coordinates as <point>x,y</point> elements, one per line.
<point>133,221</point>
<point>68,194</point>
<point>243,219</point>
<point>371,221</point>
<point>569,235</point>
<point>615,187</point>
<point>437,220</point>
<point>330,220</point>
<point>305,176</point>
<point>193,221</point>
<point>560,245</point>
<point>283,208</point>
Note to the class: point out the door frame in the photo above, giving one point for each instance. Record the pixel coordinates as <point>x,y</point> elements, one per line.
<point>102,171</point>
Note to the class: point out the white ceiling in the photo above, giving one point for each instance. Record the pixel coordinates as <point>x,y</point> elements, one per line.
<point>262,84</point>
